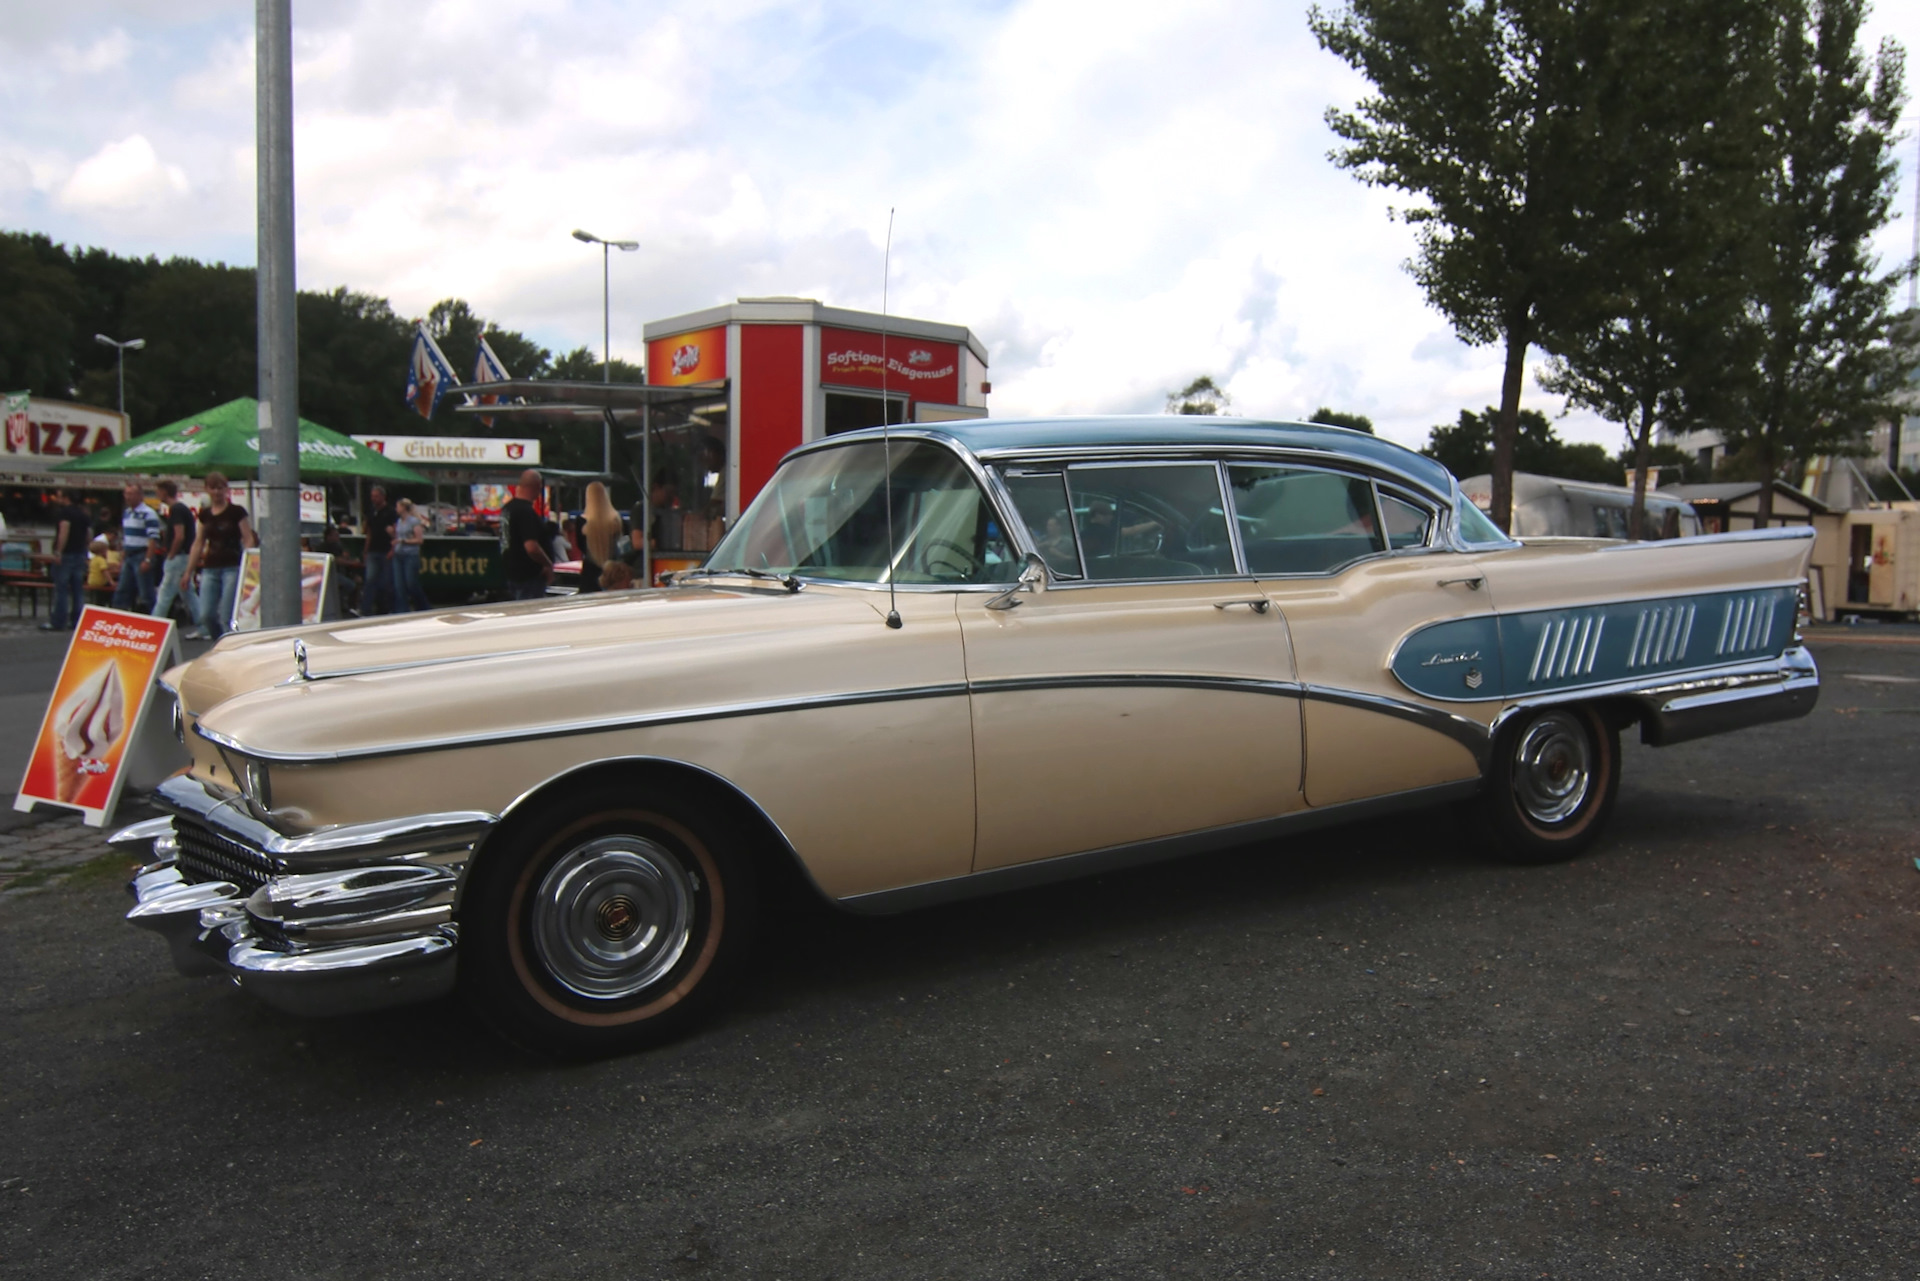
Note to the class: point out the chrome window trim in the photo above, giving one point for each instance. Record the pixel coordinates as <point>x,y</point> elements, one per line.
<point>1102,463</point>
<point>1031,547</point>
<point>1402,495</point>
<point>1373,489</point>
<point>1320,458</point>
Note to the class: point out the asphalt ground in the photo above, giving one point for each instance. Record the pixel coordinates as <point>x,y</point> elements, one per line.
<point>1369,1053</point>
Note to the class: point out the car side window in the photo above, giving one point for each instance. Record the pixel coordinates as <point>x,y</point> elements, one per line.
<point>1295,520</point>
<point>1040,499</point>
<point>1153,520</point>
<point>1407,524</point>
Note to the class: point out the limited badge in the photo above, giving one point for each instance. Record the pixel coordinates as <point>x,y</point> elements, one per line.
<point>1473,678</point>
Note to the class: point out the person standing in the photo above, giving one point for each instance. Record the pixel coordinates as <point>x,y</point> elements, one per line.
<point>140,529</point>
<point>376,597</point>
<point>70,542</point>
<point>523,541</point>
<point>409,537</point>
<point>225,532</point>
<point>600,537</point>
<point>171,549</point>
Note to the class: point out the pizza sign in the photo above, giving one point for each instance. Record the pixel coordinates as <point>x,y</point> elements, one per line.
<point>54,429</point>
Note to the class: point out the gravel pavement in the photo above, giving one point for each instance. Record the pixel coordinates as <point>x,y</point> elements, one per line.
<point>1364,1054</point>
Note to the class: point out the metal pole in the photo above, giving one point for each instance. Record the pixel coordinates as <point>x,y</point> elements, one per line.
<point>606,354</point>
<point>646,495</point>
<point>278,356</point>
<point>121,354</point>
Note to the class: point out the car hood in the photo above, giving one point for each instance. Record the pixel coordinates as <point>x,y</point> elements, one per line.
<point>444,677</point>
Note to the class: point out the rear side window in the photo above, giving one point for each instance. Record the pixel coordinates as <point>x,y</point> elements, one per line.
<point>1297,521</point>
<point>1156,520</point>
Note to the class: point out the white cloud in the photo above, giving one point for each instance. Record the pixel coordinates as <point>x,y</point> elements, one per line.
<point>123,175</point>
<point>1114,198</point>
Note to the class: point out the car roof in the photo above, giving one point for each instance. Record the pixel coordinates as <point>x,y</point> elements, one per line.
<point>992,437</point>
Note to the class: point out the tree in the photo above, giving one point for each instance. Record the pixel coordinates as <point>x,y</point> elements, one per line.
<point>1494,114</point>
<point>1817,314</point>
<point>1338,418</point>
<point>1670,254</point>
<point>38,297</point>
<point>583,364</point>
<point>1201,396</point>
<point>1465,448</point>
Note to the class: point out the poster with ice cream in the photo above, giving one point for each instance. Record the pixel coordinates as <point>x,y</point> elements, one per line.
<point>315,572</point>
<point>103,693</point>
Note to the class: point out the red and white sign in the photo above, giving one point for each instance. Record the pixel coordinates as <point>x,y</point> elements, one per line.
<point>104,690</point>
<point>57,429</point>
<point>455,451</point>
<point>919,369</point>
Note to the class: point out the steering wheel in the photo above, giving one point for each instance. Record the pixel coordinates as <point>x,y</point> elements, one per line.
<point>947,559</point>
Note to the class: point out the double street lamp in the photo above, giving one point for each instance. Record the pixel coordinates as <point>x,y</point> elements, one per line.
<point>120,355</point>
<point>606,326</point>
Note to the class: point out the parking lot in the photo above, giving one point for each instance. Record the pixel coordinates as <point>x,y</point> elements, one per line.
<point>1366,1053</point>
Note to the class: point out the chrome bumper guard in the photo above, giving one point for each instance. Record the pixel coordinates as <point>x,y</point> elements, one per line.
<point>342,920</point>
<point>1777,690</point>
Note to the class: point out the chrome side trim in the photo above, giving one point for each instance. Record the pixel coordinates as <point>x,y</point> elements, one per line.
<point>358,842</point>
<point>1793,672</point>
<point>1117,857</point>
<point>1239,684</point>
<point>597,725</point>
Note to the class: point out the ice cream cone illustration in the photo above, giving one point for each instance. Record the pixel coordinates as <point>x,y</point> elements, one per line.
<point>85,729</point>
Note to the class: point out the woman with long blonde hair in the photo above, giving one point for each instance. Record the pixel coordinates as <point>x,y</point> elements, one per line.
<point>601,535</point>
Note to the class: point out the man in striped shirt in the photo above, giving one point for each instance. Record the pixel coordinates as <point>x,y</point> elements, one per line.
<point>139,531</point>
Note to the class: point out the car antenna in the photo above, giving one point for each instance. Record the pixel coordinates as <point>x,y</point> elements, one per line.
<point>886,420</point>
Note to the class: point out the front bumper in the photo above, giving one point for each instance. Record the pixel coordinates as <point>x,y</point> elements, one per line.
<point>338,921</point>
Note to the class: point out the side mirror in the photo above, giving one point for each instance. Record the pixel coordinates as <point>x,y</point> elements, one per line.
<point>1033,578</point>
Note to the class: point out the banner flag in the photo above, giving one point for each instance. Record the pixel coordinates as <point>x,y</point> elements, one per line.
<point>429,376</point>
<point>105,688</point>
<point>487,369</point>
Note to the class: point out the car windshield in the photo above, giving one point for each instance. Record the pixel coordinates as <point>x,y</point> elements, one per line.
<point>824,515</point>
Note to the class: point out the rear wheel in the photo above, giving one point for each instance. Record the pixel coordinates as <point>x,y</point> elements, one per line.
<point>604,924</point>
<point>1552,784</point>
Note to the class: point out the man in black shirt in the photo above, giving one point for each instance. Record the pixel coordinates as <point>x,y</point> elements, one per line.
<point>378,596</point>
<point>71,529</point>
<point>176,540</point>
<point>522,547</point>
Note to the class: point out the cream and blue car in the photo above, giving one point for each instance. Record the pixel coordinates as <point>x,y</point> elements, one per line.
<point>938,663</point>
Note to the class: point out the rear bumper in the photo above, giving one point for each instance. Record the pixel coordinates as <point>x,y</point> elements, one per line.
<point>1779,690</point>
<point>352,919</point>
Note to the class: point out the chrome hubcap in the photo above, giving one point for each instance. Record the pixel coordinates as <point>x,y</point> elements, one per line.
<point>1552,768</point>
<point>613,916</point>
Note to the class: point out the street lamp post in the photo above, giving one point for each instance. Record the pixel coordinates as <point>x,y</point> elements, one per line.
<point>606,327</point>
<point>120,357</point>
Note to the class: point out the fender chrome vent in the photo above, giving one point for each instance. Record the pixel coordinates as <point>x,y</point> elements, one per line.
<point>1661,636</point>
<point>1568,647</point>
<point>1748,623</point>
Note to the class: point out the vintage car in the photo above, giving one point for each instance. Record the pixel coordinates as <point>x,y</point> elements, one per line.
<point>924,665</point>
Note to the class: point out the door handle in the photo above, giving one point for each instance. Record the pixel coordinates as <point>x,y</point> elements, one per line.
<point>1258,605</point>
<point>1471,583</point>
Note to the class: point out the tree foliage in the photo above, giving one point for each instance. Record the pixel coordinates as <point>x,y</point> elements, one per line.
<point>1671,246</point>
<point>1201,396</point>
<point>1818,313</point>
<point>1495,116</point>
<point>1340,418</point>
<point>1465,448</point>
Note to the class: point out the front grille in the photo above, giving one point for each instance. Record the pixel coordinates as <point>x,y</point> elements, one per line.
<point>205,855</point>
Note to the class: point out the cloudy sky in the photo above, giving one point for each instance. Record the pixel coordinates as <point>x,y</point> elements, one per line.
<point>1116,197</point>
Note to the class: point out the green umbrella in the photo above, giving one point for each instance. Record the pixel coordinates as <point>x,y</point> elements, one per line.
<point>227,440</point>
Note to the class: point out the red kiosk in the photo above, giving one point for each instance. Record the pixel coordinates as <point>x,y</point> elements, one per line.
<point>773,373</point>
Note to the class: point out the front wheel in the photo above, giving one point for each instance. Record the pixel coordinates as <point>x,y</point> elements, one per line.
<point>1551,787</point>
<point>606,924</point>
